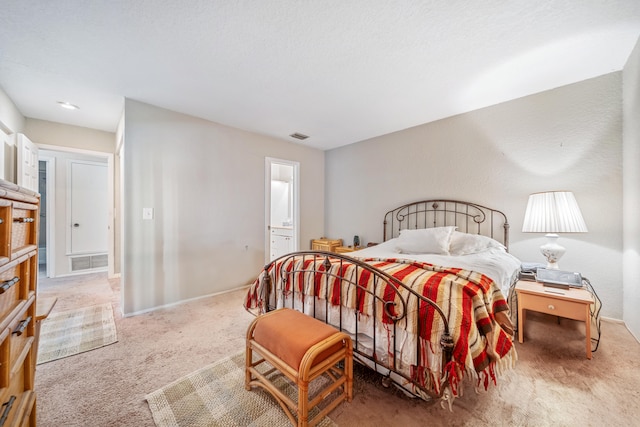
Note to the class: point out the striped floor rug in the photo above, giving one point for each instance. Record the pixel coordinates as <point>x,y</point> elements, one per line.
<point>72,332</point>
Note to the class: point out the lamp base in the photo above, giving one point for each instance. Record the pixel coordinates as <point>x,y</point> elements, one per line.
<point>552,251</point>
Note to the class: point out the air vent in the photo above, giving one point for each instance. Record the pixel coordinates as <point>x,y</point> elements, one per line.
<point>299,136</point>
<point>88,262</point>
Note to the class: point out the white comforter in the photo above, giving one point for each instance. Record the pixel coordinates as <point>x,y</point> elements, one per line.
<point>495,263</point>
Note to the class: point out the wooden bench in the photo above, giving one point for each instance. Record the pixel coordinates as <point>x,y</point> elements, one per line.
<point>303,349</point>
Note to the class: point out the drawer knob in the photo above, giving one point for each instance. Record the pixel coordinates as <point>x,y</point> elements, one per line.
<point>23,220</point>
<point>7,409</point>
<point>551,307</point>
<point>22,326</point>
<point>7,284</point>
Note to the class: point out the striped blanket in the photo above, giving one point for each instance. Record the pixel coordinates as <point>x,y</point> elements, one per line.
<point>470,301</point>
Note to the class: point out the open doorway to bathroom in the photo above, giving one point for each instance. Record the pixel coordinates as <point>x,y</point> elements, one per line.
<point>281,207</point>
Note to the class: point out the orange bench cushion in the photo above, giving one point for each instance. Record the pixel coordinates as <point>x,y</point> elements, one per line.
<point>289,334</point>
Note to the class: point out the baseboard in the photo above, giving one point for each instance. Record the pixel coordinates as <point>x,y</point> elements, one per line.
<point>612,320</point>
<point>632,334</point>
<point>80,273</point>
<point>184,301</point>
<point>620,322</point>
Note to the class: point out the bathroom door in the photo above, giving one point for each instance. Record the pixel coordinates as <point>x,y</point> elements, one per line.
<point>282,219</point>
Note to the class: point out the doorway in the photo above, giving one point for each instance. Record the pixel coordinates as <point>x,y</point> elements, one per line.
<point>76,233</point>
<point>282,213</point>
<point>42,232</point>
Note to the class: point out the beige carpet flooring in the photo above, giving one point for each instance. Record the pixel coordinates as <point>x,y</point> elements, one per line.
<point>553,383</point>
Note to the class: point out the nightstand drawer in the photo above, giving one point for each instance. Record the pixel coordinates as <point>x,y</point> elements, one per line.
<point>549,305</point>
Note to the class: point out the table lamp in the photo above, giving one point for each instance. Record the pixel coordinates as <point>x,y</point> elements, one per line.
<point>553,212</point>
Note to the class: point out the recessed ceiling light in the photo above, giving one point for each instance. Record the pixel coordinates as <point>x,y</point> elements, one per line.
<point>68,105</point>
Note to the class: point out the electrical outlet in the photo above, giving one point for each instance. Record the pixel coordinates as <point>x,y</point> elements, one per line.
<point>147,213</point>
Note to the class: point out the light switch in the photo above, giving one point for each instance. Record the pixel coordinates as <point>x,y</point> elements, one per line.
<point>147,213</point>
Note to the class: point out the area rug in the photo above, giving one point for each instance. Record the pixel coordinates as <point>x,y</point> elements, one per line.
<point>215,396</point>
<point>72,332</point>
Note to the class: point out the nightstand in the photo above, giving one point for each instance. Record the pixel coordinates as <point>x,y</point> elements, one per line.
<point>324,244</point>
<point>572,303</point>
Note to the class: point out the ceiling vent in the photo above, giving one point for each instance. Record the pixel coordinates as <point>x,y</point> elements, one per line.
<point>299,136</point>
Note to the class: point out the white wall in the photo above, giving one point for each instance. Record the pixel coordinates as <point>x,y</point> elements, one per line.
<point>569,138</point>
<point>11,120</point>
<point>205,182</point>
<point>631,163</point>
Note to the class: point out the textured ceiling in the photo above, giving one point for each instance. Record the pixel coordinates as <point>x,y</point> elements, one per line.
<point>339,71</point>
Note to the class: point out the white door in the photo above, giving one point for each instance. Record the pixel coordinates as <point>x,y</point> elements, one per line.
<point>27,163</point>
<point>282,218</point>
<point>88,217</point>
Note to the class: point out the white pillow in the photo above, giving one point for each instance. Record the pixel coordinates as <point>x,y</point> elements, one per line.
<point>425,241</point>
<point>465,243</point>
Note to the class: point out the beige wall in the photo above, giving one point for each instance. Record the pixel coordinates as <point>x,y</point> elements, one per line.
<point>569,138</point>
<point>51,133</point>
<point>206,184</point>
<point>631,162</point>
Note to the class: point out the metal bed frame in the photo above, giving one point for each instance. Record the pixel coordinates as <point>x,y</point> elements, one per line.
<point>468,217</point>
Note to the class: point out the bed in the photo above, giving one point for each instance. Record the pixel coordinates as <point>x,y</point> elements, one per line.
<point>427,307</point>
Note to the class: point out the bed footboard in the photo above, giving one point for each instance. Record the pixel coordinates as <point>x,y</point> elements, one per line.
<point>383,315</point>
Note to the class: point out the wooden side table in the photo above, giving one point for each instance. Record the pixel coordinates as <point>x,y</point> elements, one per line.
<point>324,244</point>
<point>573,303</point>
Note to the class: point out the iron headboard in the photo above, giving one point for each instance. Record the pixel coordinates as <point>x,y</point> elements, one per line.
<point>468,217</point>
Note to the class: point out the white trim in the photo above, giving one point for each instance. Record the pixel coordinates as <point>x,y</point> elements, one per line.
<point>4,139</point>
<point>632,334</point>
<point>110,195</point>
<point>268,161</point>
<point>83,272</point>
<point>620,322</point>
<point>184,301</point>
<point>50,229</point>
<point>267,209</point>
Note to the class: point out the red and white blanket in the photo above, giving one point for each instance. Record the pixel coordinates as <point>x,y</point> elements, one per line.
<point>472,303</point>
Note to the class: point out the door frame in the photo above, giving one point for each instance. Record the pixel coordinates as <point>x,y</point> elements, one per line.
<point>51,214</point>
<point>110,202</point>
<point>268,161</point>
